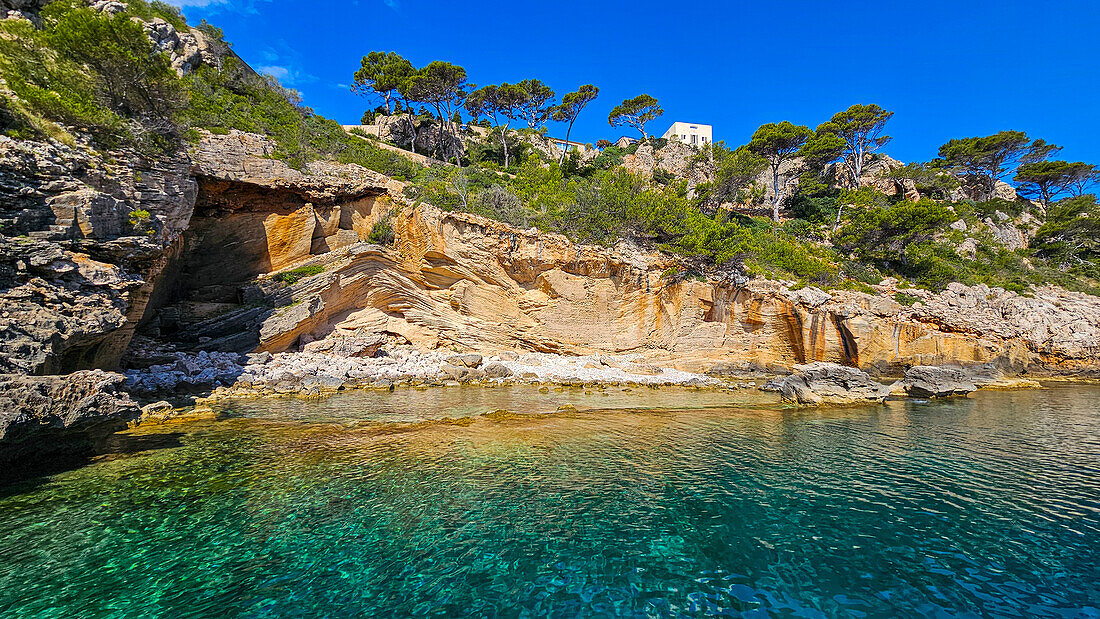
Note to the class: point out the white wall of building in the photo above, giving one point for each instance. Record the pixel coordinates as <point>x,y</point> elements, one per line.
<point>692,134</point>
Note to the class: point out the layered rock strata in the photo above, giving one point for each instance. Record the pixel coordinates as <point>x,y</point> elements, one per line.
<point>51,417</point>
<point>84,241</point>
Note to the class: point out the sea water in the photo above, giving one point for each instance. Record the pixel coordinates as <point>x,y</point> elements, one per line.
<point>647,503</point>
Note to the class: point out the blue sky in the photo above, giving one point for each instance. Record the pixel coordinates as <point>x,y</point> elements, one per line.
<point>947,68</point>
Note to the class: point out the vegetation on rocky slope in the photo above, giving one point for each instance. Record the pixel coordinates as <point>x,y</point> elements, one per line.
<point>91,71</point>
<point>87,72</point>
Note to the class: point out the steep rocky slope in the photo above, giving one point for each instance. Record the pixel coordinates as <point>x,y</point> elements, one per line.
<point>84,241</point>
<point>241,253</point>
<point>456,280</point>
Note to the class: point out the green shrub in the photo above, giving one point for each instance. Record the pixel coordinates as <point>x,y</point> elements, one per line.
<point>139,220</point>
<point>233,98</point>
<point>381,233</point>
<point>989,208</point>
<point>293,275</point>
<point>1071,234</point>
<point>884,234</point>
<point>92,71</point>
<point>151,10</point>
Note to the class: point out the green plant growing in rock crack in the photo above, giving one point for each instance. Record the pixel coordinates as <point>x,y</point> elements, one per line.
<point>292,276</point>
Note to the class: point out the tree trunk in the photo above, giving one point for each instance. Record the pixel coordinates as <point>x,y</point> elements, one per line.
<point>775,188</point>
<point>565,150</point>
<point>504,141</point>
<point>457,143</point>
<point>442,146</point>
<point>839,210</point>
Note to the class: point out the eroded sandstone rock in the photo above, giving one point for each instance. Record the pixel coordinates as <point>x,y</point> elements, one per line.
<point>936,382</point>
<point>820,383</point>
<point>44,417</point>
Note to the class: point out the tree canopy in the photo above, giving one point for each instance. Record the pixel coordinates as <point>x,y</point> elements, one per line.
<point>778,143</point>
<point>986,160</point>
<point>635,113</point>
<point>383,74</point>
<point>570,108</point>
<point>1046,180</point>
<point>538,106</point>
<point>503,104</point>
<point>860,129</point>
<point>441,85</point>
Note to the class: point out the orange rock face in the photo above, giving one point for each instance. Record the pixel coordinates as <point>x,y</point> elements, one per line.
<point>457,280</point>
<point>461,281</point>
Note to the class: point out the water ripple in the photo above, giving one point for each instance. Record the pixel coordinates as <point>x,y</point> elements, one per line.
<point>985,506</point>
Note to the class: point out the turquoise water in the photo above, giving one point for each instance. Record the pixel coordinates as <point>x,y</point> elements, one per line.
<point>982,507</point>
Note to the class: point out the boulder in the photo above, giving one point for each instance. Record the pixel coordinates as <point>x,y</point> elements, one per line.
<point>355,346</point>
<point>929,381</point>
<point>471,360</point>
<point>156,408</point>
<point>497,370</point>
<point>822,383</point>
<point>456,372</point>
<point>43,418</point>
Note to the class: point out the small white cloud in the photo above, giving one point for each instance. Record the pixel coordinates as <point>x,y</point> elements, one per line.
<point>287,76</point>
<point>393,4</point>
<point>280,73</point>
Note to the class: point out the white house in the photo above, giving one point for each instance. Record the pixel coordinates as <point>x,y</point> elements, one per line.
<point>693,134</point>
<point>568,145</point>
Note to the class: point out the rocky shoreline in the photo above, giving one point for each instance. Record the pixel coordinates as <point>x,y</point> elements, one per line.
<point>311,374</point>
<point>207,377</point>
<point>71,417</point>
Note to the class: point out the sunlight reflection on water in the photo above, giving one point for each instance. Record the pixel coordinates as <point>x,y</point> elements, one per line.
<point>733,506</point>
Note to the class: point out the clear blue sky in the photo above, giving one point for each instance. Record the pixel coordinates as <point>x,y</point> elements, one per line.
<point>947,68</point>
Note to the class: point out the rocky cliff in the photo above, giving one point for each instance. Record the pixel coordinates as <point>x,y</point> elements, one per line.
<point>84,240</point>
<point>242,253</point>
<point>226,248</point>
<point>455,280</point>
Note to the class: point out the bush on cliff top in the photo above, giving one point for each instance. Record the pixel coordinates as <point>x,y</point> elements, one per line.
<point>92,71</point>
<point>606,206</point>
<point>235,98</point>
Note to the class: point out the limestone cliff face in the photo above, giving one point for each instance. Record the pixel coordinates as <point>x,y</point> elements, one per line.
<point>462,281</point>
<point>83,240</point>
<point>219,266</point>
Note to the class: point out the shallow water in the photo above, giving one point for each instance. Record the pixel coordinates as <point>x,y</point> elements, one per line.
<point>987,506</point>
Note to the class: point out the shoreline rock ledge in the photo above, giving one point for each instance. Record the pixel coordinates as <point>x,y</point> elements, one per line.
<point>44,419</point>
<point>823,383</point>
<point>930,381</point>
